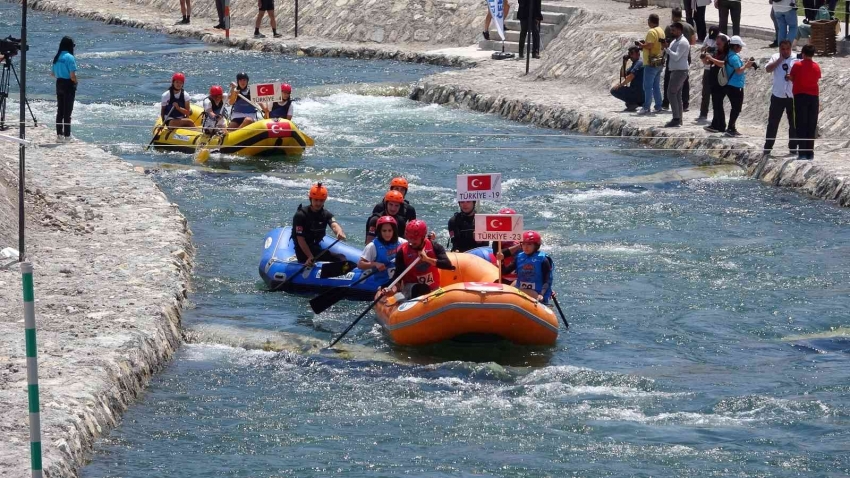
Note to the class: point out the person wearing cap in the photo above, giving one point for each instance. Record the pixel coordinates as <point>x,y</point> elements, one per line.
<point>534,268</point>
<point>176,110</point>
<point>677,53</point>
<point>805,76</point>
<point>736,72</point>
<point>401,185</point>
<point>782,96</point>
<point>280,109</point>
<point>425,275</point>
<point>393,203</point>
<point>632,96</point>
<point>214,122</point>
<point>244,112</point>
<point>309,226</point>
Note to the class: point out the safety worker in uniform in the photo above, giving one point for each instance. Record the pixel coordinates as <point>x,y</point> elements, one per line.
<point>243,112</point>
<point>425,275</point>
<point>214,121</point>
<point>462,228</point>
<point>280,109</point>
<point>176,112</point>
<point>401,185</point>
<point>380,253</point>
<point>309,226</point>
<point>535,270</point>
<point>393,204</point>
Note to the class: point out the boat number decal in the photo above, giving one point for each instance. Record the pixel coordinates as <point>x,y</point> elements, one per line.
<point>181,137</point>
<point>526,285</point>
<point>347,276</point>
<point>407,305</point>
<point>426,279</point>
<point>268,242</point>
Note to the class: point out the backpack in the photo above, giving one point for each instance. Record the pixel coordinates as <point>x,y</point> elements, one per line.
<point>723,77</point>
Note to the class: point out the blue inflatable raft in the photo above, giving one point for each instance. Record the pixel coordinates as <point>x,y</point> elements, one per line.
<point>278,263</point>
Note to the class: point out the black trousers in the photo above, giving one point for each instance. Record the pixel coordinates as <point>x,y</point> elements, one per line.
<point>806,121</point>
<point>736,98</point>
<point>729,8</point>
<point>810,9</point>
<point>697,19</point>
<point>219,8</point>
<point>718,116</point>
<point>315,249</point>
<point>686,90</point>
<point>66,90</point>
<point>778,106</point>
<point>628,95</point>
<point>706,93</point>
<point>535,36</point>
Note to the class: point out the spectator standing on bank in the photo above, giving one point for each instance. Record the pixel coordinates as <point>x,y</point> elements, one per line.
<point>219,9</point>
<point>506,8</point>
<point>186,10</point>
<point>736,72</point>
<point>691,36</point>
<point>537,17</point>
<point>267,7</point>
<point>64,69</point>
<point>653,61</point>
<point>782,96</point>
<point>709,47</point>
<point>695,16</point>
<point>718,91</point>
<point>729,8</point>
<point>630,87</point>
<point>786,20</point>
<point>810,10</point>
<point>678,52</point>
<point>805,76</point>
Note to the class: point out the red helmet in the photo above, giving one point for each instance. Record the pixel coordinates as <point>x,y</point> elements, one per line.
<point>216,91</point>
<point>399,182</point>
<point>531,237</point>
<point>178,77</point>
<point>394,196</point>
<point>286,88</point>
<point>506,210</point>
<point>416,229</point>
<point>387,220</point>
<point>318,192</point>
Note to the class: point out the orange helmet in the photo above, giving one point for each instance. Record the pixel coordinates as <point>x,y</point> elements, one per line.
<point>394,196</point>
<point>400,182</point>
<point>318,192</point>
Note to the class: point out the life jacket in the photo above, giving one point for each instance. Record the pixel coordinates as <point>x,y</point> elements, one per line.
<point>400,220</point>
<point>316,225</point>
<point>280,110</point>
<point>463,233</point>
<point>529,271</point>
<point>174,100</point>
<point>208,121</point>
<point>422,273</point>
<point>385,254</point>
<point>242,108</point>
<point>407,211</point>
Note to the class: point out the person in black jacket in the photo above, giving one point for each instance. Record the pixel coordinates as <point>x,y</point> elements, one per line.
<point>393,204</point>
<point>309,226</point>
<point>462,228</point>
<point>536,18</point>
<point>401,185</point>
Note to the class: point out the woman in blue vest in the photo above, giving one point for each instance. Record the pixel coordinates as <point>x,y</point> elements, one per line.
<point>243,112</point>
<point>282,109</point>
<point>64,70</point>
<point>380,254</point>
<point>535,270</point>
<point>175,110</point>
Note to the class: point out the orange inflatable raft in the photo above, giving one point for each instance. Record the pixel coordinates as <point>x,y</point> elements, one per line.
<point>468,302</point>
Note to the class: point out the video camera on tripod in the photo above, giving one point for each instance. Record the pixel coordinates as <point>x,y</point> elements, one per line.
<point>10,46</point>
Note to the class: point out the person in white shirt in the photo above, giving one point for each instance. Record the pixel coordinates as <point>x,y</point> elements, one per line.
<point>782,96</point>
<point>380,253</point>
<point>214,112</point>
<point>709,47</point>
<point>677,52</point>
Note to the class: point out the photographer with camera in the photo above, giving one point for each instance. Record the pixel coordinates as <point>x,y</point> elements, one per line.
<point>805,76</point>
<point>653,61</point>
<point>690,35</point>
<point>735,72</point>
<point>782,96</point>
<point>630,87</point>
<point>709,47</point>
<point>65,72</point>
<point>677,53</point>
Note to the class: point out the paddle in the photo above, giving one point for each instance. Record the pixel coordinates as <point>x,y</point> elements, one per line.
<point>315,259</point>
<point>563,317</point>
<point>202,153</point>
<point>415,261</point>
<point>328,298</point>
<point>159,129</point>
<point>336,269</point>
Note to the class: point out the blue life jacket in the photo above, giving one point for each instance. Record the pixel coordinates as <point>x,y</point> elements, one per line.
<point>175,100</point>
<point>280,110</point>
<point>242,108</point>
<point>385,254</point>
<point>529,273</point>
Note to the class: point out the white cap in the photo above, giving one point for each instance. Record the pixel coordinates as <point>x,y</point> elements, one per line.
<point>736,40</point>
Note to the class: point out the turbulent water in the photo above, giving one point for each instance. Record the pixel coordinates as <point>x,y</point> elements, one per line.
<point>702,312</point>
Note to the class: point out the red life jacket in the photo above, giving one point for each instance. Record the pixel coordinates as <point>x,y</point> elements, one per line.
<point>507,261</point>
<point>422,273</point>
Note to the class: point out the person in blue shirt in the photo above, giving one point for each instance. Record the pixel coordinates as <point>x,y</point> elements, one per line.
<point>736,72</point>
<point>64,70</point>
<point>630,88</point>
<point>534,268</point>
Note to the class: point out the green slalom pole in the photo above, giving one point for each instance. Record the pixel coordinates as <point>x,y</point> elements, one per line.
<point>32,371</point>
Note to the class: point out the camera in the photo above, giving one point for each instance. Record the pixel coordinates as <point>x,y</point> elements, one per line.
<point>625,57</point>
<point>638,42</point>
<point>755,65</point>
<point>703,56</point>
<point>10,46</point>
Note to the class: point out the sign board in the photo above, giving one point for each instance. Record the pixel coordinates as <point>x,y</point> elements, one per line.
<point>475,187</point>
<point>498,227</point>
<point>266,92</point>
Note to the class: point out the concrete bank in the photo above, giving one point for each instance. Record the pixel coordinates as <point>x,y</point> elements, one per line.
<point>112,259</point>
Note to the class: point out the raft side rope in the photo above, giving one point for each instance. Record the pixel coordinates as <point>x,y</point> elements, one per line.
<point>32,371</point>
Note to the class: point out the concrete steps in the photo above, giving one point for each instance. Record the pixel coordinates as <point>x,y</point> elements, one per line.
<point>555,17</point>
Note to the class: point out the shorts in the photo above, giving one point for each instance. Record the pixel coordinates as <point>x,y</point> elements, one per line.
<point>266,5</point>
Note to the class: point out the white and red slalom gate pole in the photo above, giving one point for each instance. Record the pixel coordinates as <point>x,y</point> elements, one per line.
<point>227,19</point>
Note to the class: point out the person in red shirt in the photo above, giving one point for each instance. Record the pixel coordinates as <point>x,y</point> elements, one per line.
<point>425,275</point>
<point>805,76</point>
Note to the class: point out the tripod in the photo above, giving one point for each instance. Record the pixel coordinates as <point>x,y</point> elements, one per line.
<point>5,79</point>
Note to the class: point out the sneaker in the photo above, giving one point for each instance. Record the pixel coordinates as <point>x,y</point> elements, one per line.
<point>486,35</point>
<point>732,133</point>
<point>277,35</point>
<point>60,138</point>
<point>220,26</point>
<point>259,35</point>
<point>643,111</point>
<point>665,107</point>
<point>686,109</point>
<point>535,56</point>
<point>712,130</point>
<point>185,21</point>
<point>673,123</point>
<point>702,119</point>
<point>631,108</point>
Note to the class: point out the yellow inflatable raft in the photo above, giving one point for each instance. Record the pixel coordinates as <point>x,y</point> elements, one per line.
<point>262,138</point>
<point>468,302</point>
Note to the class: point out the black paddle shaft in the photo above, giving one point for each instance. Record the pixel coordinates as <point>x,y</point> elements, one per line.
<point>563,317</point>
<point>355,321</point>
<point>315,258</point>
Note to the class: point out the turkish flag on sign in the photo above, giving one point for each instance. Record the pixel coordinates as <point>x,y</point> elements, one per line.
<point>499,224</point>
<point>279,129</point>
<point>481,182</point>
<point>266,89</point>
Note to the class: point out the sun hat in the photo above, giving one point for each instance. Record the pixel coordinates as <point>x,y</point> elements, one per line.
<point>736,40</point>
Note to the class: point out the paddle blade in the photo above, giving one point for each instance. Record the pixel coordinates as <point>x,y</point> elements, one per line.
<point>336,269</point>
<point>327,299</point>
<point>203,156</point>
<point>308,141</point>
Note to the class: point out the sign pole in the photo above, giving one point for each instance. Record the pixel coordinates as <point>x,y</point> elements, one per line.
<point>23,134</point>
<point>32,371</point>
<point>296,18</point>
<point>227,19</point>
<point>499,261</point>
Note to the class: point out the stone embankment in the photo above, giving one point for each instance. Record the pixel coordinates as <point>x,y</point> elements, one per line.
<point>112,259</point>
